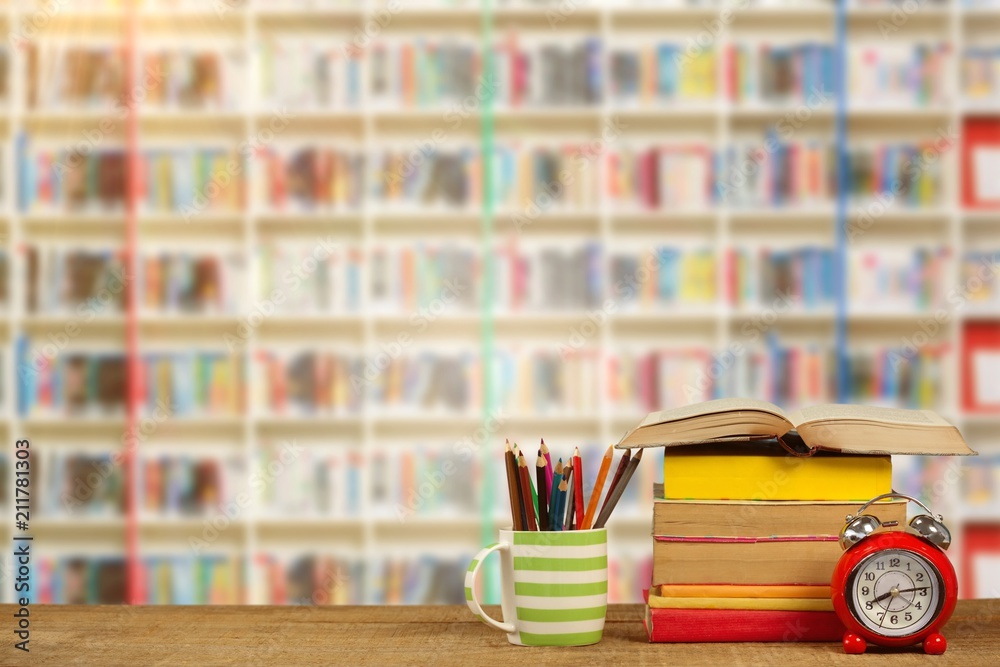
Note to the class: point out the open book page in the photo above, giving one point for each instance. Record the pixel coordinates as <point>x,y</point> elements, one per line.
<point>715,407</point>
<point>866,413</point>
<point>857,429</point>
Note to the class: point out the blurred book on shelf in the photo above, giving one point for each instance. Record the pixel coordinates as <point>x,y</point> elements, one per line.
<point>189,485</point>
<point>658,279</point>
<point>645,72</point>
<point>764,73</point>
<point>899,75</point>
<point>191,282</point>
<point>308,383</point>
<point>792,279</point>
<point>173,180</point>
<point>308,179</point>
<point>193,78</point>
<point>328,73</point>
<point>71,279</point>
<point>772,173</point>
<point>900,279</point>
<point>310,279</point>
<point>307,579</point>
<point>663,177</point>
<point>66,76</point>
<point>79,484</point>
<point>316,481</point>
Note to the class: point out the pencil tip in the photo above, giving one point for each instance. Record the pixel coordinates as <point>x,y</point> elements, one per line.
<point>610,451</point>
<point>576,451</point>
<point>540,462</point>
<point>639,455</point>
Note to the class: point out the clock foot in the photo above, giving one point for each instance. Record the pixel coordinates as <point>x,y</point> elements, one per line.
<point>853,644</point>
<point>935,644</point>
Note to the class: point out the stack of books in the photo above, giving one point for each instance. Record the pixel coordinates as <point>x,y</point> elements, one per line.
<point>746,524</point>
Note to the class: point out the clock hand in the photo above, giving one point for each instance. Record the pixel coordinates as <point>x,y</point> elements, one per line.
<point>905,590</point>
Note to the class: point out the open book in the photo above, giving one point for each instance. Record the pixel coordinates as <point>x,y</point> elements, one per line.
<point>854,429</point>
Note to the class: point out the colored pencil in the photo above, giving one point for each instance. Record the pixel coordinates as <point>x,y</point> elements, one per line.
<point>550,471</point>
<point>622,464</point>
<point>543,509</point>
<point>520,492</point>
<point>578,487</point>
<point>553,504</point>
<point>561,492</point>
<point>595,495</point>
<point>570,502</point>
<point>513,487</point>
<point>534,497</point>
<point>526,493</point>
<point>619,490</point>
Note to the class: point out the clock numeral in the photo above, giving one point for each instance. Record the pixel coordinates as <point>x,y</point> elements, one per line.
<point>865,590</point>
<point>880,566</point>
<point>894,619</point>
<point>893,562</point>
<point>920,576</point>
<point>908,616</point>
<point>869,605</point>
<point>880,616</point>
<point>869,576</point>
<point>918,606</point>
<point>923,592</point>
<point>907,566</point>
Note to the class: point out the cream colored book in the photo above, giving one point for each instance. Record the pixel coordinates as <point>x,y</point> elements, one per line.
<point>851,429</point>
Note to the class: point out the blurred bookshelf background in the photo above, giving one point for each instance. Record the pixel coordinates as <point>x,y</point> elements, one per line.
<point>360,264</point>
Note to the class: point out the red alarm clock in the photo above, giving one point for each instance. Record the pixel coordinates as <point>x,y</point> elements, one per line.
<point>894,588</point>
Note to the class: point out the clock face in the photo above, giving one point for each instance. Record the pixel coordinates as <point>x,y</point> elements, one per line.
<point>895,593</point>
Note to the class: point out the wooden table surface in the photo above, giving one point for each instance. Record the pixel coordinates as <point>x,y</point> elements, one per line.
<point>438,636</point>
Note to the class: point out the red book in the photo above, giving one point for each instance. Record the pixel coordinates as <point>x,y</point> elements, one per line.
<point>738,625</point>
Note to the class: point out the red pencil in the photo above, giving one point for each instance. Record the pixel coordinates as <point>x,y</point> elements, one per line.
<point>578,487</point>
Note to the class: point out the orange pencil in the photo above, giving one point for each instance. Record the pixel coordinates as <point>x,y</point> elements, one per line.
<point>578,486</point>
<point>529,508</point>
<point>595,495</point>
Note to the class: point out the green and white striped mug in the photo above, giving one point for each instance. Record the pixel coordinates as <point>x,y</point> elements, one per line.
<point>554,586</point>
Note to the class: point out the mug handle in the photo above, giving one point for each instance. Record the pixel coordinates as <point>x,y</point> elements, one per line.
<point>470,588</point>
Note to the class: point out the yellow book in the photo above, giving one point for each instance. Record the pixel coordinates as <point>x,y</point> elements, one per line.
<point>736,591</point>
<point>764,472</point>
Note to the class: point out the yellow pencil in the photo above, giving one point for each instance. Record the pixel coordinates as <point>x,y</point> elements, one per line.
<point>595,495</point>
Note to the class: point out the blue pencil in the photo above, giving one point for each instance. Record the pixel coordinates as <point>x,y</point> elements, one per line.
<point>554,496</point>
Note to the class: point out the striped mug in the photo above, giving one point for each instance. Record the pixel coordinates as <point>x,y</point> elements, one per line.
<point>554,586</point>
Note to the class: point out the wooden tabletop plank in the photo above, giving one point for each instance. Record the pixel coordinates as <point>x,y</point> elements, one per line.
<point>439,636</point>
